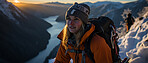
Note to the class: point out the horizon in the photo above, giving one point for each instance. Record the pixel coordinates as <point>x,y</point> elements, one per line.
<point>71,2</point>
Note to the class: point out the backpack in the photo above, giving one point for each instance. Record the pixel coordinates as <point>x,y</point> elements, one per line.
<point>105,28</point>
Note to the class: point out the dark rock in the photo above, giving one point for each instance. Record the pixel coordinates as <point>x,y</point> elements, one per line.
<point>61,18</point>
<point>3,61</point>
<point>141,18</point>
<point>53,53</point>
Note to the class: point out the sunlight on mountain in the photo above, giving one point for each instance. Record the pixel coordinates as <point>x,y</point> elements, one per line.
<point>16,1</point>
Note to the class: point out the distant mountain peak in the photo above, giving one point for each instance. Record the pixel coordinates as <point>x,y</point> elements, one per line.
<point>142,0</point>
<point>10,10</point>
<point>54,3</point>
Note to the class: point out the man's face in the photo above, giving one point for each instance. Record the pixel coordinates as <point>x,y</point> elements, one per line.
<point>74,24</point>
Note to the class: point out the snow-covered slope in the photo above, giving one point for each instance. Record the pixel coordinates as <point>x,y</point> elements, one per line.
<point>135,43</point>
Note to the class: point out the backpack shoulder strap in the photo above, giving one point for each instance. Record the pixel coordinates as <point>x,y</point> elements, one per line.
<point>87,47</point>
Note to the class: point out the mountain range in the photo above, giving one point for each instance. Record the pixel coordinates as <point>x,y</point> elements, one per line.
<point>112,10</point>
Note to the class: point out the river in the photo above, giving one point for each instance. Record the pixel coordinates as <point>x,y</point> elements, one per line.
<point>54,31</point>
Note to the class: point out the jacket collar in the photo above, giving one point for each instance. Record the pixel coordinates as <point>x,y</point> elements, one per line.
<point>84,37</point>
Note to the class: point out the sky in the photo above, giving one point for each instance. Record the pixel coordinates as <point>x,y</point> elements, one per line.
<point>67,1</point>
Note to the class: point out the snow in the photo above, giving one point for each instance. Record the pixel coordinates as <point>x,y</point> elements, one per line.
<point>134,44</point>
<point>18,12</point>
<point>52,61</point>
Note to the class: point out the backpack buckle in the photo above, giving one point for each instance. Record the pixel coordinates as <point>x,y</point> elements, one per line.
<point>83,57</point>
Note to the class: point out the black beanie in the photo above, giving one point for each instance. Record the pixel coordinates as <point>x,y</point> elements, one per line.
<point>79,10</point>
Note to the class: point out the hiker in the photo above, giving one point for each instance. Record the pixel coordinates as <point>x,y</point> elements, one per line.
<point>129,21</point>
<point>74,36</point>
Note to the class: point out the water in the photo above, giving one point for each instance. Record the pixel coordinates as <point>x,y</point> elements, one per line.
<point>54,31</point>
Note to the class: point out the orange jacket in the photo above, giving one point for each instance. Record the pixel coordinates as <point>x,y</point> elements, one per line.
<point>98,46</point>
